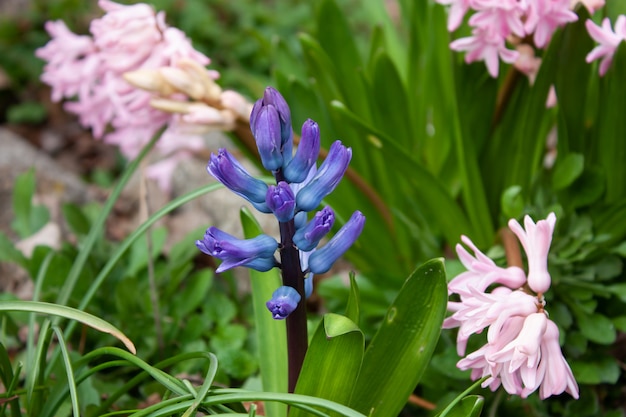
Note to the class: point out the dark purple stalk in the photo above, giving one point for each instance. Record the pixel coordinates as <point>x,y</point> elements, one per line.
<point>297,339</point>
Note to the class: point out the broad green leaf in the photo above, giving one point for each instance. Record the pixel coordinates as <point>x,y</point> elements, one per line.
<point>338,41</point>
<point>512,202</point>
<point>586,189</point>
<point>76,219</point>
<point>68,313</point>
<point>9,253</point>
<point>141,252</point>
<point>571,80</point>
<point>604,369</point>
<point>321,67</point>
<point>619,290</point>
<point>611,127</point>
<point>385,34</point>
<point>567,170</point>
<point>193,293</point>
<point>332,361</point>
<point>470,406</point>
<point>401,349</point>
<point>388,97</point>
<point>597,328</point>
<point>352,309</point>
<point>620,323</point>
<point>271,334</point>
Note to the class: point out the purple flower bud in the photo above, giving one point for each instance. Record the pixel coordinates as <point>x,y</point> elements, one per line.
<point>281,200</point>
<point>306,238</point>
<point>300,219</point>
<point>306,154</point>
<point>322,259</point>
<point>236,252</point>
<point>284,301</point>
<point>225,168</point>
<point>326,179</point>
<point>262,264</point>
<point>268,137</point>
<point>271,97</point>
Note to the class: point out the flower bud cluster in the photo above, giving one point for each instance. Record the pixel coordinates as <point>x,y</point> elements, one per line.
<point>522,352</point>
<point>300,188</point>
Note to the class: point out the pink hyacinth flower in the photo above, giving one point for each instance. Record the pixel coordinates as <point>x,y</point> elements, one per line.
<point>457,11</point>
<point>553,373</point>
<point>482,272</point>
<point>545,16</point>
<point>608,39</point>
<point>524,350</point>
<point>481,310</point>
<point>89,70</point>
<point>536,241</point>
<point>485,45</point>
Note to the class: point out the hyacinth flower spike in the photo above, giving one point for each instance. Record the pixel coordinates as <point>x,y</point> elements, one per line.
<point>522,353</point>
<point>300,188</point>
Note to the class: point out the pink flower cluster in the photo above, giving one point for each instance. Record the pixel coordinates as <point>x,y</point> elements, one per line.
<point>608,39</point>
<point>89,69</point>
<point>522,352</point>
<point>495,21</point>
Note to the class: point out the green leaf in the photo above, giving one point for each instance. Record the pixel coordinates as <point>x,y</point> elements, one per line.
<point>338,41</point>
<point>28,217</point>
<point>352,309</point>
<point>332,361</point>
<point>597,328</point>
<point>140,250</point>
<point>571,79</point>
<point>470,406</point>
<point>512,202</point>
<point>271,334</point>
<point>68,313</point>
<point>388,97</point>
<point>76,219</point>
<point>611,127</point>
<point>620,323</point>
<point>401,349</point>
<point>9,253</point>
<point>193,294</point>
<point>604,369</point>
<point>9,381</point>
<point>567,170</point>
<point>619,290</point>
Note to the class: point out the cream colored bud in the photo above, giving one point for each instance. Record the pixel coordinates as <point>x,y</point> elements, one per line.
<point>170,106</point>
<point>201,114</point>
<point>149,80</point>
<point>183,82</point>
<point>234,101</point>
<point>201,75</point>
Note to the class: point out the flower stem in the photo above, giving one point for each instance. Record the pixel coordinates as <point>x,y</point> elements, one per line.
<point>297,338</point>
